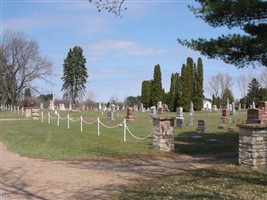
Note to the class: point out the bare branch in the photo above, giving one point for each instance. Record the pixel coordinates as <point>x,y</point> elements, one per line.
<point>112,6</point>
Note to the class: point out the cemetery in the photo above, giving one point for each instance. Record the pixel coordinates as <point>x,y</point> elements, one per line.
<point>130,133</point>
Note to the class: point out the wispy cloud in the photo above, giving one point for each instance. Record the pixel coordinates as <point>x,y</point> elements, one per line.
<point>122,48</point>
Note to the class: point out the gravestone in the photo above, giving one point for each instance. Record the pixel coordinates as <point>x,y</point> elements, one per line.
<point>225,115</point>
<point>159,107</point>
<point>153,112</point>
<point>179,113</point>
<point>179,123</point>
<point>254,116</point>
<point>129,116</point>
<point>201,125</point>
<point>190,121</point>
<point>62,107</point>
<point>70,106</point>
<point>233,112</point>
<point>35,114</point>
<point>110,115</point>
<point>99,106</point>
<point>41,106</point>
<point>28,112</point>
<point>112,107</point>
<point>51,105</point>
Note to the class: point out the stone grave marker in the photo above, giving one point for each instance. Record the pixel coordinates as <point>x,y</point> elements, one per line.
<point>179,113</point>
<point>233,112</point>
<point>153,111</point>
<point>254,116</point>
<point>179,123</point>
<point>190,121</point>
<point>129,116</point>
<point>28,112</point>
<point>35,114</point>
<point>110,115</point>
<point>62,107</point>
<point>201,125</point>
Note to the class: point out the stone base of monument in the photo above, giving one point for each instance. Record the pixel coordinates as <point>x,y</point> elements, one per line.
<point>222,126</point>
<point>225,119</point>
<point>35,114</point>
<point>129,118</point>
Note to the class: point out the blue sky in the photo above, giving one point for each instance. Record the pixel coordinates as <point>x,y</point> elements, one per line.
<point>120,52</point>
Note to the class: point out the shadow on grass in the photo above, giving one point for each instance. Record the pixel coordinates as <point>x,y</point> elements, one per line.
<point>224,182</point>
<point>193,143</point>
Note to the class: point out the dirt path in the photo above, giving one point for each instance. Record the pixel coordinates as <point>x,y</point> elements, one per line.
<point>27,178</point>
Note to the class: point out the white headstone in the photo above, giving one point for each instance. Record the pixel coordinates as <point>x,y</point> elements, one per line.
<point>179,113</point>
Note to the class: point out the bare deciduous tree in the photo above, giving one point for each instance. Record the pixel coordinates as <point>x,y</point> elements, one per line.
<point>213,86</point>
<point>219,83</point>
<point>20,64</point>
<point>226,82</point>
<point>242,82</point>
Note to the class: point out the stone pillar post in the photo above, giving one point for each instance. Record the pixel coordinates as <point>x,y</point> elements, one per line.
<point>163,133</point>
<point>253,145</point>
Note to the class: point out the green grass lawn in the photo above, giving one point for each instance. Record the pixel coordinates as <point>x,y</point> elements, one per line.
<point>43,140</point>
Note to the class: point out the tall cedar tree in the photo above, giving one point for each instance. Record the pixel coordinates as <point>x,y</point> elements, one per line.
<point>198,94</point>
<point>146,93</point>
<point>190,68</point>
<point>178,91</point>
<point>249,48</point>
<point>74,74</point>
<point>172,93</point>
<point>185,87</point>
<point>156,95</point>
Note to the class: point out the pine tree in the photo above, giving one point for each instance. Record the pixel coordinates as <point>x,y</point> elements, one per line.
<point>253,92</point>
<point>74,74</point>
<point>198,86</point>
<point>227,94</point>
<point>146,93</point>
<point>156,95</point>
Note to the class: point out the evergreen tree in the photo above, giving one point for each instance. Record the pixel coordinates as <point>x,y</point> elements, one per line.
<point>198,94</point>
<point>146,93</point>
<point>253,92</point>
<point>244,49</point>
<point>172,93</point>
<point>190,71</point>
<point>178,91</point>
<point>185,88</point>
<point>227,94</point>
<point>156,95</point>
<point>74,74</point>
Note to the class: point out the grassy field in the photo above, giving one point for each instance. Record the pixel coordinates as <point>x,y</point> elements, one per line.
<point>43,140</point>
